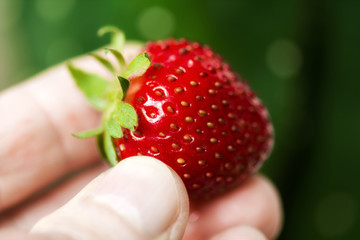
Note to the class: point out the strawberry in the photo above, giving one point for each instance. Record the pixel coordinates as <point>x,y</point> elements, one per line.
<point>188,109</point>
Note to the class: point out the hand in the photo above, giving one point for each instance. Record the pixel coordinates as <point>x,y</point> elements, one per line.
<point>42,167</point>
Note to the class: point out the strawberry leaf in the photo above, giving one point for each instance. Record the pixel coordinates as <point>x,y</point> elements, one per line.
<point>137,66</point>
<point>125,115</point>
<point>109,149</point>
<point>114,128</point>
<point>117,36</point>
<point>104,62</point>
<point>94,87</point>
<point>100,144</point>
<point>124,85</point>
<point>89,133</point>
<point>119,57</point>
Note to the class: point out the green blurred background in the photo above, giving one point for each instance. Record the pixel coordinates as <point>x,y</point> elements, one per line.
<point>302,57</point>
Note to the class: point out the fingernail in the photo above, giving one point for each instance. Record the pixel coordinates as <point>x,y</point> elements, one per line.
<point>240,232</point>
<point>143,192</point>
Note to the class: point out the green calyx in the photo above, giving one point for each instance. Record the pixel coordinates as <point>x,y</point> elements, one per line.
<point>108,96</point>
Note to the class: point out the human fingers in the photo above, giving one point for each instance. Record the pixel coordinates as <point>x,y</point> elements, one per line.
<point>256,203</point>
<point>140,198</point>
<point>37,119</point>
<point>242,232</point>
<point>25,215</point>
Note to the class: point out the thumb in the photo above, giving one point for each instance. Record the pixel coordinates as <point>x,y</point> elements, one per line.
<point>140,198</point>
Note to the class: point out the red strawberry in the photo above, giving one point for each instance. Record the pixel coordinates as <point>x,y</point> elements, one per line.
<point>197,116</point>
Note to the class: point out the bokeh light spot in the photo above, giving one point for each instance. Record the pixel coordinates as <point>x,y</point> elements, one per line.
<point>54,10</point>
<point>156,23</point>
<point>335,214</point>
<point>284,58</point>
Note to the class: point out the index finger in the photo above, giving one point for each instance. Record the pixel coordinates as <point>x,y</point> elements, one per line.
<point>37,120</point>
<point>36,147</point>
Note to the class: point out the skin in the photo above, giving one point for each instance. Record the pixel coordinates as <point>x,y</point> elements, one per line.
<point>54,186</point>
